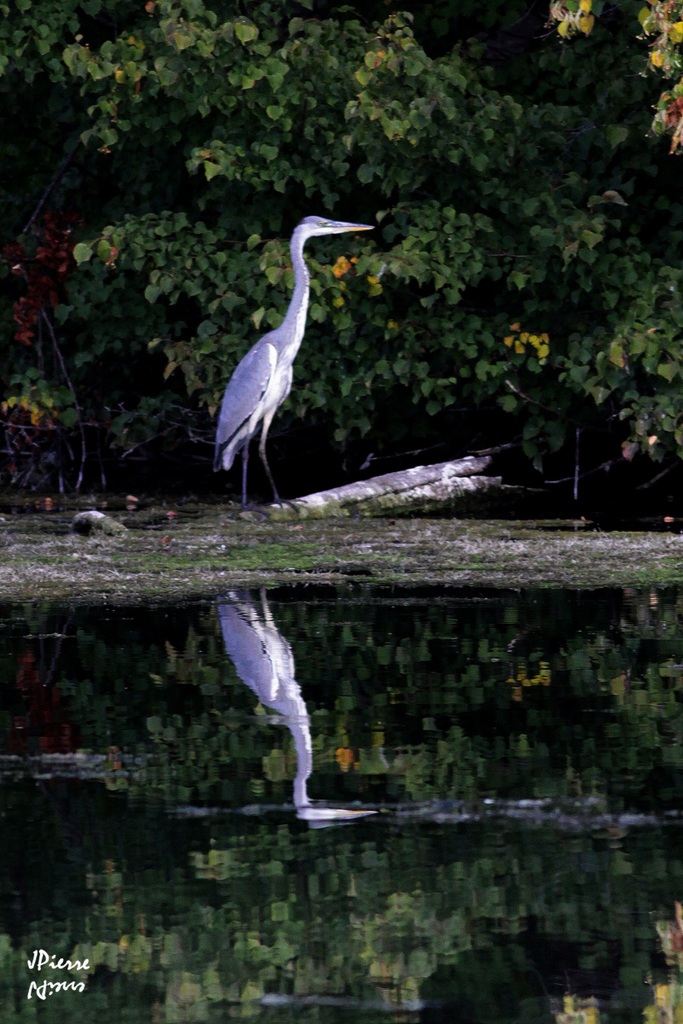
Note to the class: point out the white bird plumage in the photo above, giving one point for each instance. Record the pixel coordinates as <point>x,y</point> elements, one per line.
<point>263,378</point>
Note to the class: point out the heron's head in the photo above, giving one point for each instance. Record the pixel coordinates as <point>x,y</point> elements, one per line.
<point>310,226</point>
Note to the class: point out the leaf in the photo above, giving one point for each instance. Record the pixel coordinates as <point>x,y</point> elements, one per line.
<point>206,329</point>
<point>667,370</point>
<point>69,417</point>
<point>518,278</point>
<point>257,317</point>
<point>82,252</point>
<point>103,250</point>
<point>600,394</point>
<point>211,169</point>
<point>62,313</point>
<point>616,134</point>
<point>616,354</point>
<point>613,197</point>
<point>591,238</point>
<point>245,32</point>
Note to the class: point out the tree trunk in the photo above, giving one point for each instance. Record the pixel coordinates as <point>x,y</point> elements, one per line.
<point>451,487</point>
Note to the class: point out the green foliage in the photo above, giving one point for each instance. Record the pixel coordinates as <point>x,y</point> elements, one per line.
<point>191,138</point>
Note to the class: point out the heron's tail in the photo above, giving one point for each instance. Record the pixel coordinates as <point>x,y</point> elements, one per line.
<point>224,456</point>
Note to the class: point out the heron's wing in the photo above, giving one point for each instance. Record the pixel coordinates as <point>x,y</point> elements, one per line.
<point>243,395</point>
<point>245,647</point>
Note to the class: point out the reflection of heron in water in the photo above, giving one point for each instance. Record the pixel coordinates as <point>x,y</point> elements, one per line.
<point>264,661</point>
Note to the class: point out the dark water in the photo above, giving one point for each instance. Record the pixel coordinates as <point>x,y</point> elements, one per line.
<point>181,788</point>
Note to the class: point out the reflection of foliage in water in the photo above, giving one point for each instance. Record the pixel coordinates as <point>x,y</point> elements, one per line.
<point>540,694</point>
<point>188,914</point>
<point>485,917</point>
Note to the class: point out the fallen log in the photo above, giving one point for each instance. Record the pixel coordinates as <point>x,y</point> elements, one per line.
<point>456,488</point>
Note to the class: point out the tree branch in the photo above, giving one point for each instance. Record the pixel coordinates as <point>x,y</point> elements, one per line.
<point>53,181</point>
<point>71,388</point>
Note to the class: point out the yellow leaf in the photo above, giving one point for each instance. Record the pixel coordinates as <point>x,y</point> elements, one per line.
<point>586,24</point>
<point>585,5</point>
<point>563,28</point>
<point>657,58</point>
<point>341,266</point>
<point>676,33</point>
<point>616,354</point>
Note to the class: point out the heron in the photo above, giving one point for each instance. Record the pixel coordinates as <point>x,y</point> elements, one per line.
<point>264,661</point>
<point>263,378</point>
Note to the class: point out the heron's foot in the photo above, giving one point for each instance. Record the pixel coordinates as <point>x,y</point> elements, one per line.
<point>277,500</point>
<point>263,512</point>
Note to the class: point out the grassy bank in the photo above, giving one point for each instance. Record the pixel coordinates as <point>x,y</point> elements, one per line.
<point>172,552</point>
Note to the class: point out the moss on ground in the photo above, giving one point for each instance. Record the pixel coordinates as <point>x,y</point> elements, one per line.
<point>188,551</point>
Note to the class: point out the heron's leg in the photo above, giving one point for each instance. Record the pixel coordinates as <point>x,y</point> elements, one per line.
<point>245,463</point>
<point>267,420</point>
<point>246,507</point>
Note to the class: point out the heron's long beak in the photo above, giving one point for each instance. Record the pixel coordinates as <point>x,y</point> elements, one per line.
<point>337,226</point>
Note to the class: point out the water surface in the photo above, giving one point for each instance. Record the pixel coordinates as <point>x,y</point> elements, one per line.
<point>186,797</point>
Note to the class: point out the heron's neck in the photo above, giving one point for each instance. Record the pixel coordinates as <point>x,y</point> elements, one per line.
<point>296,314</point>
<point>301,732</point>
